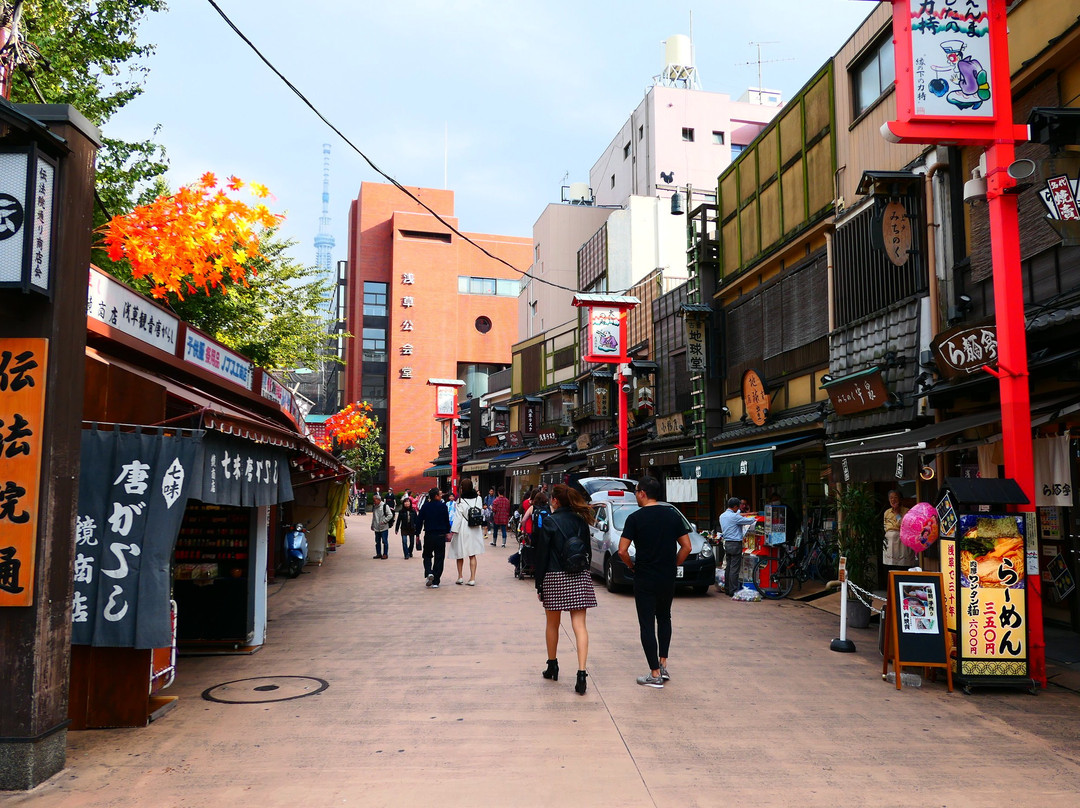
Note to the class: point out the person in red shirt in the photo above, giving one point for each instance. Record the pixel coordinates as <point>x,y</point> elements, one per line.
<point>500,517</point>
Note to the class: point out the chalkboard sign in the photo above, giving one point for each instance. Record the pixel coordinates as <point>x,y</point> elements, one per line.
<point>915,631</point>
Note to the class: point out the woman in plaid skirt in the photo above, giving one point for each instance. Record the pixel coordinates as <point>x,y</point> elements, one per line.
<point>562,591</point>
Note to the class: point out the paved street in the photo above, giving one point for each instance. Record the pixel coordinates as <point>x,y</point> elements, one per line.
<point>435,698</point>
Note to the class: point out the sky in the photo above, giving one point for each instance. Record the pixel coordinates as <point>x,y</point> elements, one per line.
<point>502,102</point>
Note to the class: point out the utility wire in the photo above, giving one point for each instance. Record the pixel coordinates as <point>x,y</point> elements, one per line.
<point>368,160</point>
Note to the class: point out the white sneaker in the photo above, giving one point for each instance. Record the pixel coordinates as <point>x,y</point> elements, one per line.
<point>650,681</point>
<point>430,581</point>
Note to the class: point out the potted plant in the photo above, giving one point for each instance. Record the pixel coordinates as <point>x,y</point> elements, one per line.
<point>860,538</point>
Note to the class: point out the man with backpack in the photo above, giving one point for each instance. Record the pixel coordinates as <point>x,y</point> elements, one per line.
<point>382,519</point>
<point>661,544</point>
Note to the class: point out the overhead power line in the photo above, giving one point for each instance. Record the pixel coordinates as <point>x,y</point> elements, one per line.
<point>369,161</point>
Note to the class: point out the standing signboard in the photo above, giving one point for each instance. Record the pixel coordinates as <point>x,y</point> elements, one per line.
<point>23,364</point>
<point>915,633</point>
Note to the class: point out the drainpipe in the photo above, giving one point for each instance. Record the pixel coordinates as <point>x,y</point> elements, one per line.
<point>829,279</point>
<point>931,246</point>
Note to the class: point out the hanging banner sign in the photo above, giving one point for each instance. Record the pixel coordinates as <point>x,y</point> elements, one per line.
<point>695,344</point>
<point>23,363</point>
<point>203,352</point>
<point>133,490</point>
<point>242,473</point>
<point>109,301</point>
<point>896,233</point>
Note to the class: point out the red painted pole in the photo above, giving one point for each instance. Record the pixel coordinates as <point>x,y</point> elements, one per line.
<point>1012,370</point>
<point>624,417</point>
<point>453,451</point>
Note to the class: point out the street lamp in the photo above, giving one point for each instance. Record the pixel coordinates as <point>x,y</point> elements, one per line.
<point>606,342</point>
<point>446,409</point>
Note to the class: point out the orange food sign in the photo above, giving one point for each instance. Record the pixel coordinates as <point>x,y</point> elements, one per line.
<point>22,416</point>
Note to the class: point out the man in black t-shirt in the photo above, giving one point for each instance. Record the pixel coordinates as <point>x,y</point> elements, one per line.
<point>661,544</point>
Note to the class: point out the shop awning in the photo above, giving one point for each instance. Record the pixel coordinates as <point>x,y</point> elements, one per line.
<point>480,464</point>
<point>897,456</point>
<point>735,462</point>
<point>555,475</point>
<point>665,457</point>
<point>534,463</point>
<point>437,471</point>
<point>600,458</point>
<point>501,461</point>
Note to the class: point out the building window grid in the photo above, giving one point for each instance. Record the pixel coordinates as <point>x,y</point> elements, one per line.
<point>491,287</point>
<point>688,134</point>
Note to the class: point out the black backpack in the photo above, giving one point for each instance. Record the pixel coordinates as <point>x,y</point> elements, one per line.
<point>575,554</point>
<point>474,516</point>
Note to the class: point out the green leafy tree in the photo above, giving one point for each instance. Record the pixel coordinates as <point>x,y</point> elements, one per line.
<point>365,457</point>
<point>86,53</point>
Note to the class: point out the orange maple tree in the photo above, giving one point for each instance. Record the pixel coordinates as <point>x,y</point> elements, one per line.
<point>198,238</point>
<point>348,426</point>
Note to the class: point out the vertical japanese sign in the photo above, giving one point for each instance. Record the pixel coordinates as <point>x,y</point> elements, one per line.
<point>991,603</point>
<point>947,550</point>
<point>133,490</point>
<point>23,363</point>
<point>695,343</point>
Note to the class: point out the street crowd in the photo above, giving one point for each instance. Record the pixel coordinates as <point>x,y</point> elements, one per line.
<point>552,526</point>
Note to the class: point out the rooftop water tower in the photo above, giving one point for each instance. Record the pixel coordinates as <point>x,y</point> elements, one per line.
<point>679,70</point>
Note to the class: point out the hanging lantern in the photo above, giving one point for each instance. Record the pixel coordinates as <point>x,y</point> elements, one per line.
<point>27,218</point>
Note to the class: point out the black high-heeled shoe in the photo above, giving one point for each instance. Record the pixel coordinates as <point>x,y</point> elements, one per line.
<point>580,686</point>
<point>552,671</point>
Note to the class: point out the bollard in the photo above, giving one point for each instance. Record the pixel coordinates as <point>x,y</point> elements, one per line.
<point>842,643</point>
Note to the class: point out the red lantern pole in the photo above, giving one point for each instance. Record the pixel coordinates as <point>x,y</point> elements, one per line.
<point>991,127</point>
<point>446,410</point>
<point>624,419</point>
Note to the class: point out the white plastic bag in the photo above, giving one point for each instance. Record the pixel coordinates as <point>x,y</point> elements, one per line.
<point>747,595</point>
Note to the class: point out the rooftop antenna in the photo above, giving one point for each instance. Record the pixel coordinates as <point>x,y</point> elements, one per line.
<point>446,156</point>
<point>759,62</point>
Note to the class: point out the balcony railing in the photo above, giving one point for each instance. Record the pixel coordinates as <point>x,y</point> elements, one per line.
<point>590,410</point>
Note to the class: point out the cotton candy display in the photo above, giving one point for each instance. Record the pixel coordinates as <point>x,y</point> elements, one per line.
<point>919,528</point>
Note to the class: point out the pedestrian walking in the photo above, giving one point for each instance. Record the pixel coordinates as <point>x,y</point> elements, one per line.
<point>661,544</point>
<point>405,524</point>
<point>732,525</point>
<point>382,518</point>
<point>363,501</point>
<point>500,517</point>
<point>467,535</point>
<point>559,589</point>
<point>391,498</point>
<point>434,520</point>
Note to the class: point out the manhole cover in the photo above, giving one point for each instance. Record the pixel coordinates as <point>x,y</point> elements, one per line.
<point>263,689</point>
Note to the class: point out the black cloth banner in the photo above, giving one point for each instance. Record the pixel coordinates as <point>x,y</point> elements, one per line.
<point>241,473</point>
<point>133,490</point>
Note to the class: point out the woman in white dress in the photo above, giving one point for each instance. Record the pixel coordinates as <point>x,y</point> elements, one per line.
<point>466,540</point>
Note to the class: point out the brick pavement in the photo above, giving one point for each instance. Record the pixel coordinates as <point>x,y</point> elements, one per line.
<point>435,698</point>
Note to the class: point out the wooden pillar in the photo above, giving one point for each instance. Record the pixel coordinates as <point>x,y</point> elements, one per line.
<point>36,639</point>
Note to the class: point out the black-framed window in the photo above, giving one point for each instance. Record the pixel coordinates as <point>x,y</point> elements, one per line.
<point>718,138</point>
<point>374,345</point>
<point>873,74</point>
<point>688,134</point>
<point>375,299</point>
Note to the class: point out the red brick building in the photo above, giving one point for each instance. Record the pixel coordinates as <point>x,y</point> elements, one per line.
<point>423,303</point>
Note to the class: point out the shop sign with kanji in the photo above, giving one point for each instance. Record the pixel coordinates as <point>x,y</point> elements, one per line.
<point>695,343</point>
<point>23,363</point>
<point>133,490</point>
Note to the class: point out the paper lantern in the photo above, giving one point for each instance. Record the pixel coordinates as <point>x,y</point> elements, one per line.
<point>919,527</point>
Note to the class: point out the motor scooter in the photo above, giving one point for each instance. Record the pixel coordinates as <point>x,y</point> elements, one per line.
<point>296,550</point>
